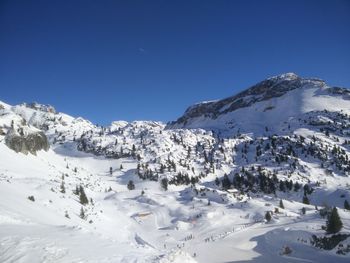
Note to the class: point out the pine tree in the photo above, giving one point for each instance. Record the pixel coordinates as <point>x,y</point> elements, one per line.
<point>131,185</point>
<point>63,189</point>
<point>83,198</point>
<point>217,181</point>
<point>226,183</point>
<point>281,204</point>
<point>268,216</point>
<point>306,200</point>
<point>164,183</point>
<point>76,191</point>
<point>82,213</point>
<point>334,223</point>
<point>296,187</point>
<point>303,210</point>
<point>282,186</point>
<point>346,205</point>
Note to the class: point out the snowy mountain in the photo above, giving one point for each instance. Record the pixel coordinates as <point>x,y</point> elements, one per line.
<point>271,102</point>
<point>247,178</point>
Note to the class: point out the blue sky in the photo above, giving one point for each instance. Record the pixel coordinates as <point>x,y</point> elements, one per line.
<point>132,60</point>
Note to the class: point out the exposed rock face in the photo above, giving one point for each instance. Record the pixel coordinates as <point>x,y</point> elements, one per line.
<point>40,107</point>
<point>340,91</point>
<point>31,142</point>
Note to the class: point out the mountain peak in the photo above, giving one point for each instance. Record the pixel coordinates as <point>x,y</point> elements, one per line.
<point>285,76</point>
<point>272,99</point>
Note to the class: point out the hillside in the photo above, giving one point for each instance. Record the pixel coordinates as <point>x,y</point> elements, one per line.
<point>198,189</point>
<point>270,103</point>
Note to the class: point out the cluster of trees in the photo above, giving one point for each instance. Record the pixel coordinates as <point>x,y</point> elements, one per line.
<point>260,180</point>
<point>146,173</point>
<point>184,179</point>
<point>332,228</point>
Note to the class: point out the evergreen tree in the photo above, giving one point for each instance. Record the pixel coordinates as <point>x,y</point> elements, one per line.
<point>303,210</point>
<point>164,183</point>
<point>76,191</point>
<point>334,223</point>
<point>282,186</point>
<point>82,213</point>
<point>82,196</point>
<point>268,216</point>
<point>296,187</point>
<point>217,181</point>
<point>306,200</point>
<point>281,204</point>
<point>63,189</point>
<point>121,167</point>
<point>110,170</point>
<point>226,183</point>
<point>346,205</point>
<point>306,189</point>
<point>131,185</point>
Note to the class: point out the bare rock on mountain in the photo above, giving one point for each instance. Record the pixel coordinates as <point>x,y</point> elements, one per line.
<point>27,142</point>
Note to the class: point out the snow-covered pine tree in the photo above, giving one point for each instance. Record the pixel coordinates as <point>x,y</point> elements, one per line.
<point>334,223</point>
<point>82,213</point>
<point>83,198</point>
<point>306,200</point>
<point>281,204</point>
<point>131,185</point>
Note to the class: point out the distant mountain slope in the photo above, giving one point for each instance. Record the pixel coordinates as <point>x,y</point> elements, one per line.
<point>269,103</point>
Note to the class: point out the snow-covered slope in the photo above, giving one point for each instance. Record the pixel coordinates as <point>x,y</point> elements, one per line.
<point>200,195</point>
<point>269,103</point>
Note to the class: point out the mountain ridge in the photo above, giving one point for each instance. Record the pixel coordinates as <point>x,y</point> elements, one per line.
<point>267,93</point>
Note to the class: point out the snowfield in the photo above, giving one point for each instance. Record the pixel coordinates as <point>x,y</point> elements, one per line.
<point>199,195</point>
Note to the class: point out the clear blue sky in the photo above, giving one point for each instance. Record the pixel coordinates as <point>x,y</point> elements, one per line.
<point>111,60</point>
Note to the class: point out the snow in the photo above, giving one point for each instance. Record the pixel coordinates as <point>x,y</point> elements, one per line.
<point>285,76</point>
<point>149,224</point>
<point>313,96</point>
<point>131,227</point>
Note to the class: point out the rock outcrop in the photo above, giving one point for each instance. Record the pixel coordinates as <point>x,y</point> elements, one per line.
<point>27,143</point>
